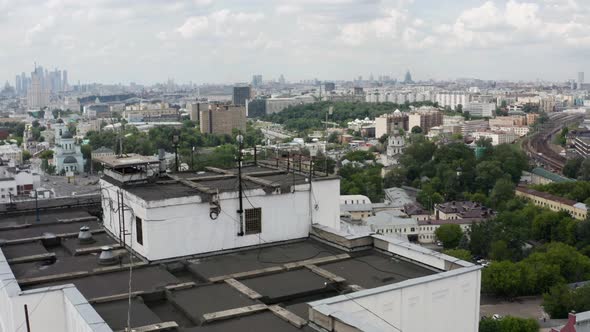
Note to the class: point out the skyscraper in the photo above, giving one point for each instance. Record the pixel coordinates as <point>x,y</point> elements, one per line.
<point>65,80</point>
<point>408,78</point>
<point>282,80</point>
<point>580,80</point>
<point>241,94</point>
<point>257,80</point>
<point>38,93</point>
<point>18,84</point>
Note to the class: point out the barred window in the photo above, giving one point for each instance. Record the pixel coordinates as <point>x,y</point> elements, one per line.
<point>253,221</point>
<point>139,230</point>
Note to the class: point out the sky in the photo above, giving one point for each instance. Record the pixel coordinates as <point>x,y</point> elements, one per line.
<point>227,41</point>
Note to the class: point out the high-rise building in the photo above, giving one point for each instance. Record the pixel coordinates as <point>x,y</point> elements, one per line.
<point>452,99</point>
<point>38,93</point>
<point>257,80</point>
<point>282,80</point>
<point>241,94</point>
<point>425,118</point>
<point>329,86</point>
<point>580,80</point>
<point>18,85</point>
<point>65,80</point>
<point>388,123</point>
<point>408,78</point>
<point>196,108</point>
<point>222,119</point>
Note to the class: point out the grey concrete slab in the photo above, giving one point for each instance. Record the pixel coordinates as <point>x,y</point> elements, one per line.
<point>197,301</point>
<point>25,249</point>
<point>373,269</point>
<point>282,286</point>
<point>113,283</point>
<point>254,259</point>
<point>115,314</point>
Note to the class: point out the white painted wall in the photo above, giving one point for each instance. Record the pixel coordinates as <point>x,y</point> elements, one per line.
<point>182,226</point>
<point>447,302</point>
<point>51,309</point>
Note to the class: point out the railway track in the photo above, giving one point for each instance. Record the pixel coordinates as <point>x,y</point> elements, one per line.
<point>537,145</point>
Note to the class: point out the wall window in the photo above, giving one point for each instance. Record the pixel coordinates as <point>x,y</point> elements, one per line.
<point>139,230</point>
<point>253,221</point>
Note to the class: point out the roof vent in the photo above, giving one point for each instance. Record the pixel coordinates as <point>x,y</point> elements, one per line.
<point>85,235</point>
<point>50,240</point>
<point>107,257</point>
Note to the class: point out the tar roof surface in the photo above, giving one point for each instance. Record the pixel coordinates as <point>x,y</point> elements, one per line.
<point>188,291</point>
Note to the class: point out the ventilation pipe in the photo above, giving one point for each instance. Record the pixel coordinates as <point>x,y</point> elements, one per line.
<point>85,235</point>
<point>107,257</point>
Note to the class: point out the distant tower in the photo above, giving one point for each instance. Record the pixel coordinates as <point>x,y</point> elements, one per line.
<point>65,80</point>
<point>580,80</point>
<point>396,144</point>
<point>408,78</point>
<point>282,80</point>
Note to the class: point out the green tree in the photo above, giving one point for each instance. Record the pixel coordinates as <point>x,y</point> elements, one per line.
<point>416,130</point>
<point>47,154</point>
<point>499,251</point>
<point>449,234</point>
<point>459,253</point>
<point>26,155</point>
<point>572,167</point>
<point>503,191</point>
<point>559,301</point>
<point>502,279</point>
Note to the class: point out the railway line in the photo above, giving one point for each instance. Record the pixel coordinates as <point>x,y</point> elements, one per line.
<point>537,145</point>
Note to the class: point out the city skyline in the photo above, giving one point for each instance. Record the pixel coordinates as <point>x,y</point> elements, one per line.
<point>228,41</point>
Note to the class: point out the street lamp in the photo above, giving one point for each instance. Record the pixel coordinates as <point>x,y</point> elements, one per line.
<point>175,141</point>
<point>459,171</point>
<point>240,141</point>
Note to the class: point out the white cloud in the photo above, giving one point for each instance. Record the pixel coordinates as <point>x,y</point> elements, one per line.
<point>193,26</point>
<point>286,35</point>
<point>220,23</point>
<point>40,27</point>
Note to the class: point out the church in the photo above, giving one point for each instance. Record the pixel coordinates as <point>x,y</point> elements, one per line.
<point>68,155</point>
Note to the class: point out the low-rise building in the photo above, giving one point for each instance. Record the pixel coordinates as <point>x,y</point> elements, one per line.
<point>472,126</point>
<point>497,137</point>
<point>427,228</point>
<point>357,207</point>
<point>7,189</point>
<point>576,322</point>
<point>11,152</point>
<point>461,210</point>
<point>542,176</point>
<point>555,203</point>
<point>480,110</point>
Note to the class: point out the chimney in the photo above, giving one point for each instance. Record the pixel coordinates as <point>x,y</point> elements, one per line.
<point>162,161</point>
<point>85,235</point>
<point>107,257</point>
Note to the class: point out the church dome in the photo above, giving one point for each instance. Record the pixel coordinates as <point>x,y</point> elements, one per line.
<point>60,121</point>
<point>397,113</point>
<point>67,134</point>
<point>70,160</point>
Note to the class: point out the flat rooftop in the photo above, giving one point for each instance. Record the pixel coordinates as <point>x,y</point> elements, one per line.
<point>186,184</point>
<point>265,288</point>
